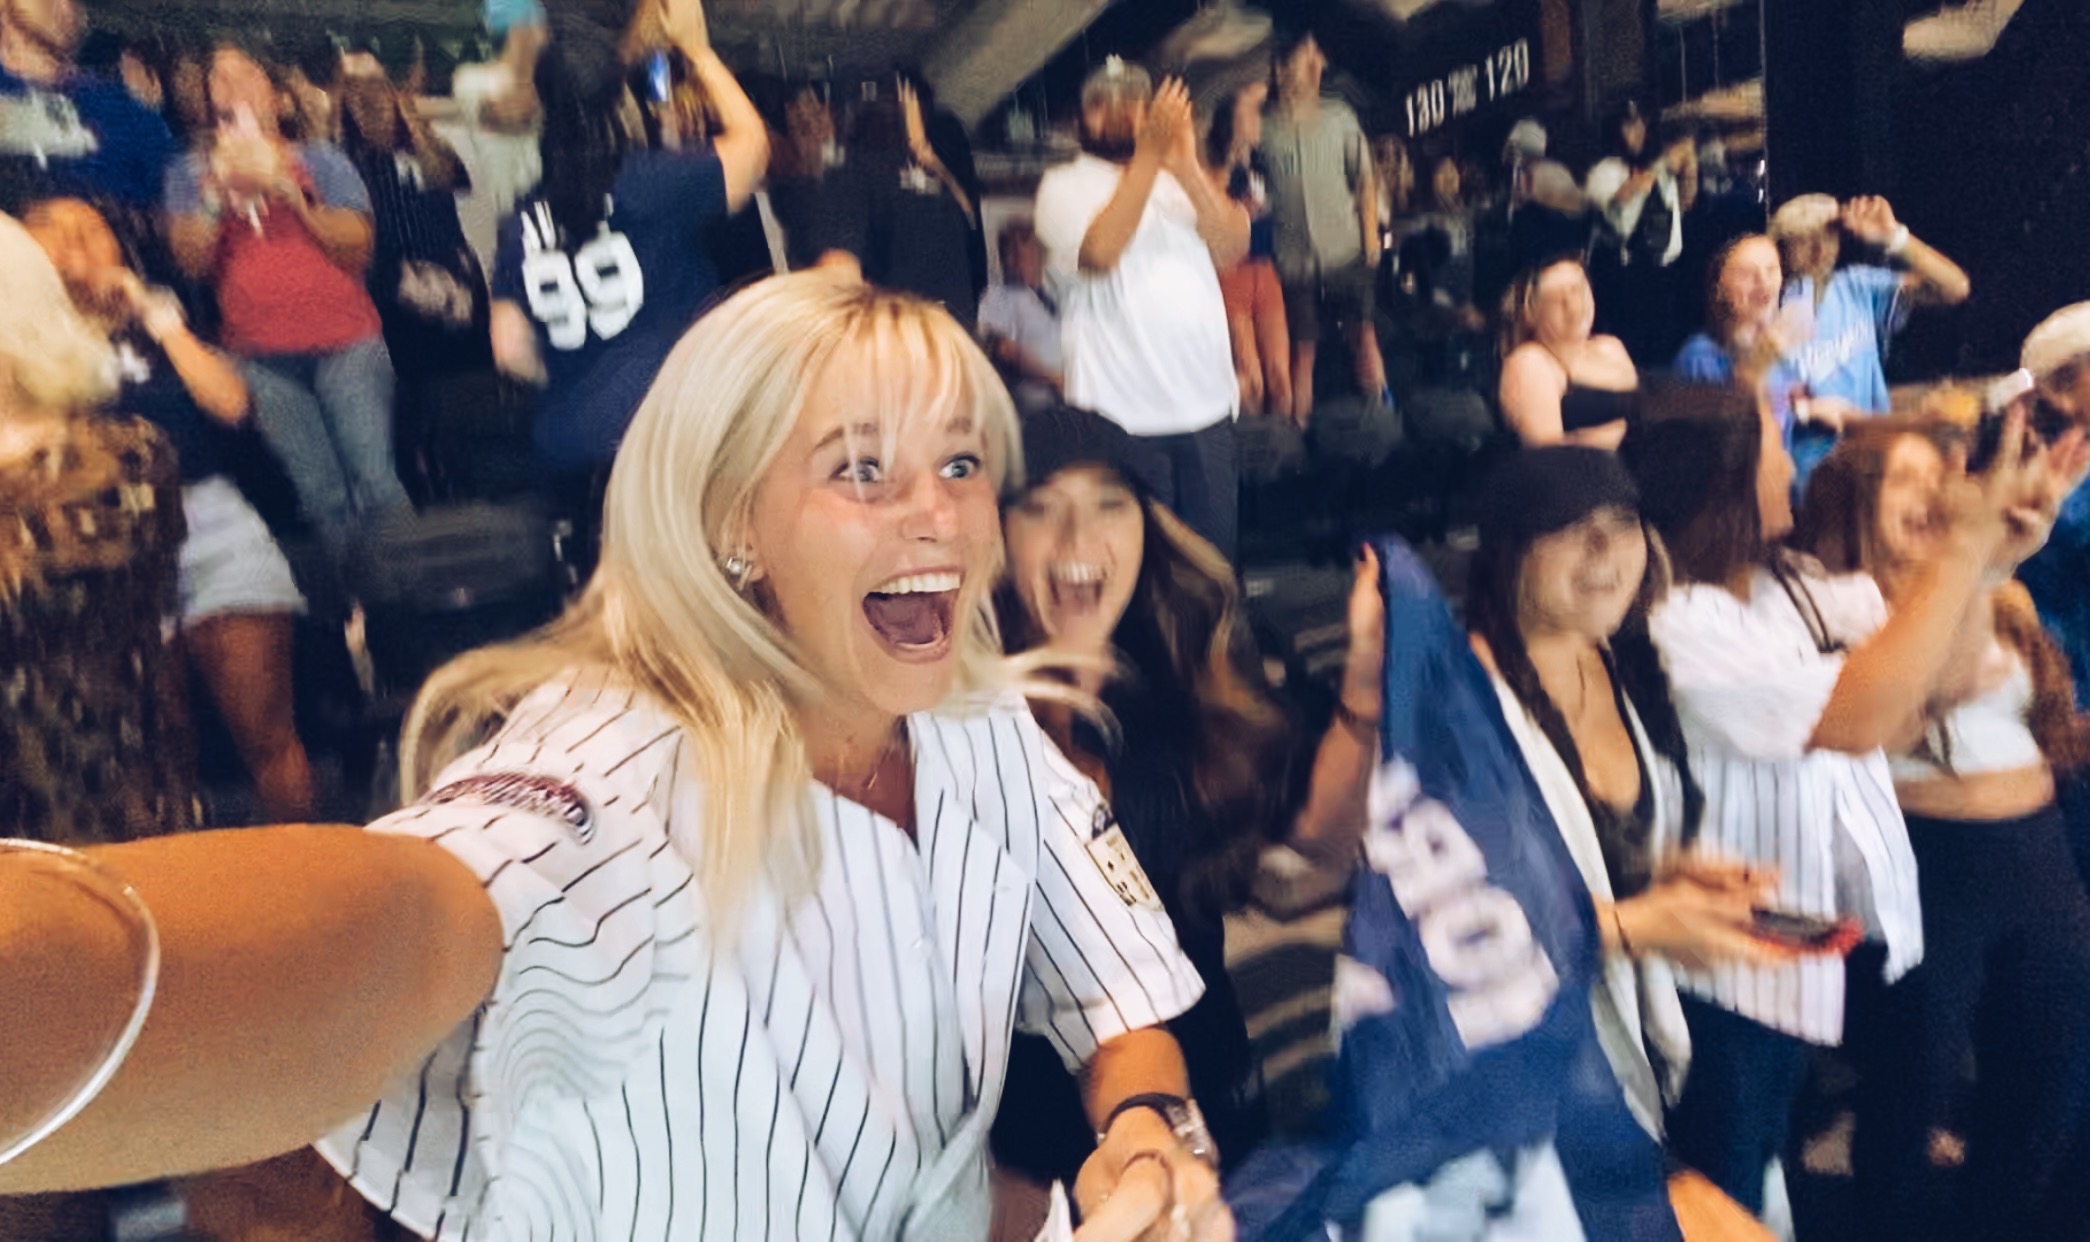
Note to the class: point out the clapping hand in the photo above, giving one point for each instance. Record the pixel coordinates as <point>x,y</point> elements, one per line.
<point>1169,136</point>
<point>1870,220</point>
<point>2056,472</point>
<point>2002,516</point>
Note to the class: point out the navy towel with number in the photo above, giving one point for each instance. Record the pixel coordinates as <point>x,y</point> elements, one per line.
<point>1462,998</point>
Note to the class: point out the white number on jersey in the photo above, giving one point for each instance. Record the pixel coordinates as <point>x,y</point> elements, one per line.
<point>600,287</point>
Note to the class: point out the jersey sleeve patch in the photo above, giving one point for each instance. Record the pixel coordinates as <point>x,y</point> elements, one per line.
<point>530,793</point>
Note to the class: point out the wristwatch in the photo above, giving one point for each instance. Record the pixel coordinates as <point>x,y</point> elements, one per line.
<point>1184,1119</point>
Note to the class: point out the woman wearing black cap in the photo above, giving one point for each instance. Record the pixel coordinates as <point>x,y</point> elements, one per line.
<point>1202,761</point>
<point>1557,605</point>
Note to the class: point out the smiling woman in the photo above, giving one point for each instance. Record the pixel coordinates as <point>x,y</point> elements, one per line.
<point>749,852</point>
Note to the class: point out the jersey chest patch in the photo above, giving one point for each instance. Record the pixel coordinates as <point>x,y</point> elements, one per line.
<point>525,792</point>
<point>1113,856</point>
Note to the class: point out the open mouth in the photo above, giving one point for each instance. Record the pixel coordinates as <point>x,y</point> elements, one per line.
<point>913,615</point>
<point>1077,588</point>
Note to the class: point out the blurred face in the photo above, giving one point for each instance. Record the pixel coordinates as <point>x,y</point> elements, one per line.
<point>1563,307</point>
<point>53,25</point>
<point>81,246</point>
<point>1583,580</point>
<point>1075,545</point>
<point>1634,134</point>
<point>1027,261</point>
<point>870,545</point>
<point>1910,526</point>
<point>2068,390</point>
<point>1112,126</point>
<point>1299,77</point>
<point>237,83</point>
<point>1445,182</point>
<point>374,109</point>
<point>1814,254</point>
<point>1774,474</point>
<point>1750,281</point>
<point>191,99</point>
<point>1248,114</point>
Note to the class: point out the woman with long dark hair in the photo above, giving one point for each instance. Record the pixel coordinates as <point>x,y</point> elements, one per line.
<point>2006,924</point>
<point>1562,583</point>
<point>1790,681</point>
<point>1204,765</point>
<point>1556,608</point>
<point>600,272</point>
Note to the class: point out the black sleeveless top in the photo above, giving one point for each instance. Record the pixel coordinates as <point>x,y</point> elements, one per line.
<point>1583,407</point>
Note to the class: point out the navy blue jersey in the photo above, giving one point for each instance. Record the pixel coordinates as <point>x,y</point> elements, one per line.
<point>85,136</point>
<point>155,391</point>
<point>609,308</point>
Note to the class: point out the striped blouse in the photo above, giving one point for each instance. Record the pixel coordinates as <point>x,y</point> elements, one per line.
<point>1751,679</point>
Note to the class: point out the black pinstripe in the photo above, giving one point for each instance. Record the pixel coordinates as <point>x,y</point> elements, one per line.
<point>613,987</point>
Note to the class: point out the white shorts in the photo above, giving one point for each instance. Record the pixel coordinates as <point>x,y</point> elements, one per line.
<point>230,564</point>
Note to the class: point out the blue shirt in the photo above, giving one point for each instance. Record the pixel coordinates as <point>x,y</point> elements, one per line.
<point>1859,314</point>
<point>88,135</point>
<point>609,308</point>
<point>1704,360</point>
<point>2059,580</point>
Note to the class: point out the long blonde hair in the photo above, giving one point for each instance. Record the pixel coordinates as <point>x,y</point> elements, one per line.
<point>662,616</point>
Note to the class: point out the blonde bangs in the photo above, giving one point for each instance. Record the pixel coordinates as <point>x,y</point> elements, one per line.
<point>663,617</point>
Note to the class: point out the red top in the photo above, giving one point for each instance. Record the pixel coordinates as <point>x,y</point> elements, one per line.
<point>277,291</point>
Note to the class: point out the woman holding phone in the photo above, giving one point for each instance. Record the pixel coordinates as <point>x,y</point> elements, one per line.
<point>2006,924</point>
<point>1790,682</point>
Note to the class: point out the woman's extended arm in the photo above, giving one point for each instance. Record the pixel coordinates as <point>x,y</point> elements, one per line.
<point>304,970</point>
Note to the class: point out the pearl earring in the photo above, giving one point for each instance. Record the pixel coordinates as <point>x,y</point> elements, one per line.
<point>737,569</point>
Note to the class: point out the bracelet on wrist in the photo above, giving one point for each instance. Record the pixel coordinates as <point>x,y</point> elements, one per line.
<point>1618,928</point>
<point>1899,240</point>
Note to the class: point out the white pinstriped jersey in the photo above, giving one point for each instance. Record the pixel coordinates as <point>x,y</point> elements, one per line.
<point>1750,685</point>
<point>833,1073</point>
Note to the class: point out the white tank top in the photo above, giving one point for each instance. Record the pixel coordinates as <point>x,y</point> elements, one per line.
<point>1990,733</point>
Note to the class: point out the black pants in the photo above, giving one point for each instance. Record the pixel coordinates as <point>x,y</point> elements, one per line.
<point>1735,1115</point>
<point>2005,977</point>
<point>1198,477</point>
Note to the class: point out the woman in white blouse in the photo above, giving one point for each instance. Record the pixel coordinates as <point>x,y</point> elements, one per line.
<point>731,887</point>
<point>1557,606</point>
<point>1789,682</point>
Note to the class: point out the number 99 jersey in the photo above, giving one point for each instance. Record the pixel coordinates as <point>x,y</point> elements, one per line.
<point>608,308</point>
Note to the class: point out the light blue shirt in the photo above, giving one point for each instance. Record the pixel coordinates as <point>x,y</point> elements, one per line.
<point>1860,313</point>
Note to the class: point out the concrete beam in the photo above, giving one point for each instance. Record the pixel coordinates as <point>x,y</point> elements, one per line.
<point>999,44</point>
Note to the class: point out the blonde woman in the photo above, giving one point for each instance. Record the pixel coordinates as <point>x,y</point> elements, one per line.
<point>727,890</point>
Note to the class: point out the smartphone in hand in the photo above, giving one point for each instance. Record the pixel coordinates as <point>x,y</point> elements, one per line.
<point>1806,932</point>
